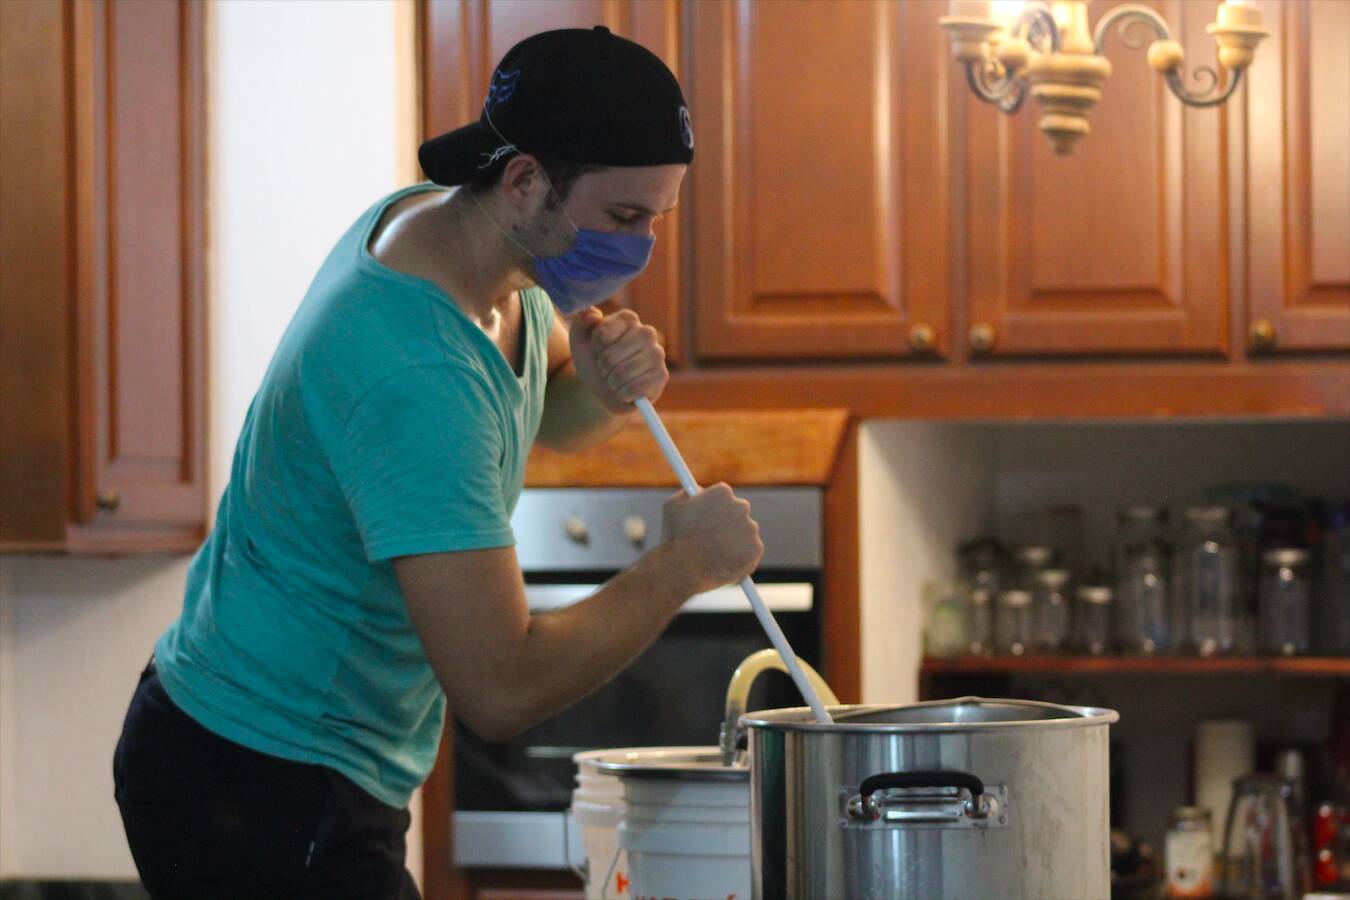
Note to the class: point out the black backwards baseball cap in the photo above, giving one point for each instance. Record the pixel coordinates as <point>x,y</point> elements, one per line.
<point>578,95</point>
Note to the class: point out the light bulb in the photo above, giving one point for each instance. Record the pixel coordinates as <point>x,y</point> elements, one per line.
<point>1007,12</point>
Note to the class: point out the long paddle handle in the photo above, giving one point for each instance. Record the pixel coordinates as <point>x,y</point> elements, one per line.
<point>766,619</point>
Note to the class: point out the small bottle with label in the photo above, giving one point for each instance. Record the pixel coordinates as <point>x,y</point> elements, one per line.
<point>1190,853</point>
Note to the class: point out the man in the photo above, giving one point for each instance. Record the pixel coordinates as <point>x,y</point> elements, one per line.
<point>362,569</point>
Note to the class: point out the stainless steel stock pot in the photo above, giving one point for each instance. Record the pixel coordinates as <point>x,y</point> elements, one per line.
<point>956,798</point>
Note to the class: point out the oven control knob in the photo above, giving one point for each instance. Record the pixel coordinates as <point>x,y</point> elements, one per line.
<point>635,529</point>
<point>576,530</point>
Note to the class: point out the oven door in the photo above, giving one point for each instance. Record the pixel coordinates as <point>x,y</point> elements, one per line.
<point>511,798</point>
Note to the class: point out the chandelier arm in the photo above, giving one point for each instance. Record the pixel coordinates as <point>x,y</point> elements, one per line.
<point>1013,102</point>
<point>989,93</point>
<point>1212,96</point>
<point>1127,15</point>
<point>1036,24</point>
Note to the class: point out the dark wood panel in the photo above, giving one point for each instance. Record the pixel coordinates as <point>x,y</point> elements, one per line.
<point>1307,666</point>
<point>1298,178</point>
<point>1119,248</point>
<point>34,285</point>
<point>821,179</point>
<point>1014,391</point>
<point>109,238</point>
<point>141,395</point>
<point>793,447</point>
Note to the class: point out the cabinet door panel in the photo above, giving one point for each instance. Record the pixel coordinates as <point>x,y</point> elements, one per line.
<point>139,395</point>
<point>1298,179</point>
<point>465,40</point>
<point>820,178</point>
<point>1117,248</point>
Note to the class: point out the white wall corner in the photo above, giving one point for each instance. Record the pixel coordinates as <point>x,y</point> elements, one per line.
<point>923,488</point>
<point>9,723</point>
<point>407,97</point>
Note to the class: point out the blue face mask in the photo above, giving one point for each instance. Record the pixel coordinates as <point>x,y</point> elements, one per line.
<point>593,269</point>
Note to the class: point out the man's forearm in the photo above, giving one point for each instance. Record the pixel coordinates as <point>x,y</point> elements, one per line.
<point>573,418</point>
<point>573,651</point>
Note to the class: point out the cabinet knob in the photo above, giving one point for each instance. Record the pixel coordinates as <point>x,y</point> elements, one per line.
<point>982,337</point>
<point>576,530</point>
<point>922,339</point>
<point>1263,334</point>
<point>108,500</point>
<point>635,530</point>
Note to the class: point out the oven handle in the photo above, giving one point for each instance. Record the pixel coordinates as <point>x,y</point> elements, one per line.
<point>788,596</point>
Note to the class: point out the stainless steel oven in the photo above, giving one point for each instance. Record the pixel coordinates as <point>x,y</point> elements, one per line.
<point>511,799</point>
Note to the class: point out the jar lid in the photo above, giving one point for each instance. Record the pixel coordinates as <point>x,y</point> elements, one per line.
<point>1015,598</point>
<point>1053,578</point>
<point>1143,512</point>
<point>1096,593</point>
<point>1286,556</point>
<point>1036,556</point>
<point>1191,814</point>
<point>1209,514</point>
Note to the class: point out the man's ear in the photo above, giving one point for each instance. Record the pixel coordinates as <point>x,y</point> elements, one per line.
<point>521,179</point>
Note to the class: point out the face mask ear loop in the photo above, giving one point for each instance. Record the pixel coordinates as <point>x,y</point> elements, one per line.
<point>506,147</point>
<point>506,234</point>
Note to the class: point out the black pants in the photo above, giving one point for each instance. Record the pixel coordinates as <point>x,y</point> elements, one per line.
<point>206,817</point>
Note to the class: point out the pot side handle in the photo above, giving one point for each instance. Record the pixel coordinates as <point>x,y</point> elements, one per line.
<point>972,804</point>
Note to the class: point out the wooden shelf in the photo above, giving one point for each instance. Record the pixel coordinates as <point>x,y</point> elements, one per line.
<point>1313,666</point>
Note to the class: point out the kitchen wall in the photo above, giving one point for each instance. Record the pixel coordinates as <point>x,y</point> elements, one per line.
<point>923,488</point>
<point>311,110</point>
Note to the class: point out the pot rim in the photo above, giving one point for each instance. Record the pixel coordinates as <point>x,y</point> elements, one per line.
<point>799,718</point>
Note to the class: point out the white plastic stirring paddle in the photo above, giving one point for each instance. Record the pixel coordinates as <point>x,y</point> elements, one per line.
<point>766,619</point>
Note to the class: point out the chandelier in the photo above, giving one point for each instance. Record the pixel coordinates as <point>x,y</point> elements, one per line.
<point>1044,46</point>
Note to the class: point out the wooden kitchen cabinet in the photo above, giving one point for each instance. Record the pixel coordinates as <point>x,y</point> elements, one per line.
<point>463,40</point>
<point>853,206</point>
<point>820,180</point>
<point>1119,248</point>
<point>1297,180</point>
<point>102,343</point>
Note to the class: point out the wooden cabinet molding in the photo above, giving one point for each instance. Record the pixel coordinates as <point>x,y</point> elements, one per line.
<point>1297,178</point>
<point>112,282</point>
<point>1120,248</point>
<point>820,180</point>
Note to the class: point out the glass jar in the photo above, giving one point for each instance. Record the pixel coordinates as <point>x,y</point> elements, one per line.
<point>1285,598</point>
<point>1030,559</point>
<point>982,561</point>
<point>1050,603</point>
<point>948,631</point>
<point>981,622</point>
<point>1092,618</point>
<point>1333,606</point>
<point>1189,853</point>
<point>1264,852</point>
<point>1143,562</point>
<point>1208,572</point>
<point>1013,629</point>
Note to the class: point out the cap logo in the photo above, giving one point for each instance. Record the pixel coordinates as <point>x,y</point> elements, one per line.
<point>686,128</point>
<point>501,89</point>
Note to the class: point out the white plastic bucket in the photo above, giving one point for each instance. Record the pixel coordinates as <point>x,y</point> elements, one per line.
<point>685,838</point>
<point>597,808</point>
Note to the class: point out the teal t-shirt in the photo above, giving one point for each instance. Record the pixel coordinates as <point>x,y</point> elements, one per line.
<point>388,424</point>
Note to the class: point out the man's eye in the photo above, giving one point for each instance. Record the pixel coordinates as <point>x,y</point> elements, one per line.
<point>624,220</point>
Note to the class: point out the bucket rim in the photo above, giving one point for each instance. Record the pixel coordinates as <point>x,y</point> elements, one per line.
<point>670,763</point>
<point>800,718</point>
